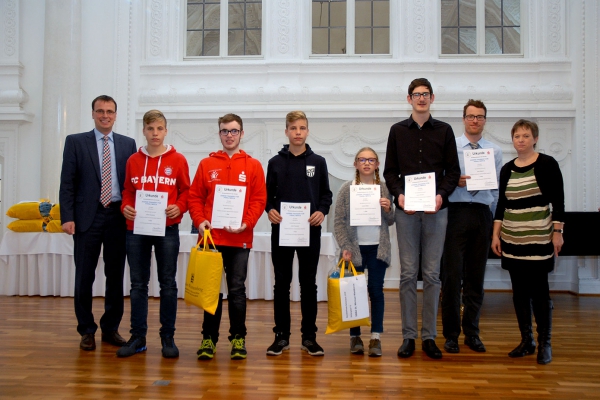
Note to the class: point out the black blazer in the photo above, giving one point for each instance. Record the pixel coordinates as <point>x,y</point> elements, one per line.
<point>80,180</point>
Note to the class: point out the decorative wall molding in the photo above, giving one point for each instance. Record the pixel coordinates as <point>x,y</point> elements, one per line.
<point>418,25</point>
<point>10,27</point>
<point>555,26</point>
<point>283,26</point>
<point>156,29</point>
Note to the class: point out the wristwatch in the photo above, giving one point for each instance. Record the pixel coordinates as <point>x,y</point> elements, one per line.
<point>561,231</point>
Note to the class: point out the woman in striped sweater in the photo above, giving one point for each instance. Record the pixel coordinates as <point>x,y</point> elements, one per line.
<point>528,235</point>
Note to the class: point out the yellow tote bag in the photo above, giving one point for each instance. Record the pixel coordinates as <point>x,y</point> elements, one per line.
<point>203,277</point>
<point>335,321</point>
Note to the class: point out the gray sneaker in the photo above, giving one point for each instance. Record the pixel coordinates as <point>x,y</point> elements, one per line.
<point>375,348</point>
<point>356,345</point>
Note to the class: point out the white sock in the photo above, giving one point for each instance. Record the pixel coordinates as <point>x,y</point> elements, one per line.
<point>375,335</point>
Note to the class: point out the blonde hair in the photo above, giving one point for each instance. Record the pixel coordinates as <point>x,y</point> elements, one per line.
<point>377,179</point>
<point>294,116</point>
<point>154,115</point>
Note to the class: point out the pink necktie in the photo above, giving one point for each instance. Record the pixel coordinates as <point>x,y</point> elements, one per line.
<point>106,191</point>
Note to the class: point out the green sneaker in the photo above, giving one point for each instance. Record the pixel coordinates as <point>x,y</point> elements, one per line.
<point>207,350</point>
<point>238,348</point>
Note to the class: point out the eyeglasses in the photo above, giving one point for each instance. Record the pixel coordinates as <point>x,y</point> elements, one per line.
<point>416,96</point>
<point>107,112</point>
<point>367,160</point>
<point>225,132</point>
<point>473,117</point>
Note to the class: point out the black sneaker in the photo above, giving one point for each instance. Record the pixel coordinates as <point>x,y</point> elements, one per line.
<point>134,345</point>
<point>281,343</point>
<point>312,347</point>
<point>238,348</point>
<point>207,349</point>
<point>169,350</point>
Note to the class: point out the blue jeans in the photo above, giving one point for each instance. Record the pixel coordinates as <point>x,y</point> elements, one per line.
<point>139,252</point>
<point>235,262</point>
<point>377,270</point>
<point>425,234</point>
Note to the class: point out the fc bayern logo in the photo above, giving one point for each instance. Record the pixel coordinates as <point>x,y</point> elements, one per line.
<point>168,171</point>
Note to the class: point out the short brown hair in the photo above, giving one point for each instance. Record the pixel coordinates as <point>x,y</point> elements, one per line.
<point>294,116</point>
<point>525,124</point>
<point>227,118</point>
<point>154,115</point>
<point>476,104</point>
<point>419,82</point>
<point>106,98</point>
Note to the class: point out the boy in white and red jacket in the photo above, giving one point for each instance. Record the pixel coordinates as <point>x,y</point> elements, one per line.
<point>233,167</point>
<point>157,168</point>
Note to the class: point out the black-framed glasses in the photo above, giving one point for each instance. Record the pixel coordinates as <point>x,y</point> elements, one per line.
<point>416,96</point>
<point>367,160</point>
<point>225,132</point>
<point>475,117</point>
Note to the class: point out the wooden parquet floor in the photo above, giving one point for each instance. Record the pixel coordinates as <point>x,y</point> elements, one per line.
<point>40,358</point>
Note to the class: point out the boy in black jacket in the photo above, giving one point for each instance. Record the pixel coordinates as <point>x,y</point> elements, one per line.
<point>296,175</point>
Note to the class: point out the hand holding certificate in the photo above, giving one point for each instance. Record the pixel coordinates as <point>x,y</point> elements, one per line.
<point>228,206</point>
<point>150,217</point>
<point>365,209</point>
<point>294,229</point>
<point>419,192</point>
<point>480,166</point>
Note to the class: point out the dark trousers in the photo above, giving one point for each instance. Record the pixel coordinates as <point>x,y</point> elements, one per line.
<point>235,262</point>
<point>308,260</point>
<point>108,229</point>
<point>139,254</point>
<point>468,238</point>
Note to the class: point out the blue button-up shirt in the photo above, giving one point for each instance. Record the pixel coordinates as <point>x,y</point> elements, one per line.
<point>116,192</point>
<point>487,197</point>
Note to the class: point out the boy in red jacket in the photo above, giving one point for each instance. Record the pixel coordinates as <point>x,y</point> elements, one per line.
<point>156,170</point>
<point>230,168</point>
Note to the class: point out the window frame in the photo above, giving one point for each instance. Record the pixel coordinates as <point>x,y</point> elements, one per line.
<point>350,33</point>
<point>480,33</point>
<point>223,35</point>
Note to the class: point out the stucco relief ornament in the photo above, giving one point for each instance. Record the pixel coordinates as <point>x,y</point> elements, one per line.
<point>350,145</point>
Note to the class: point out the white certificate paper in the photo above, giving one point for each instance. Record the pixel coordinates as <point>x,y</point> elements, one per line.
<point>228,206</point>
<point>419,192</point>
<point>364,205</point>
<point>294,229</point>
<point>150,213</point>
<point>481,167</point>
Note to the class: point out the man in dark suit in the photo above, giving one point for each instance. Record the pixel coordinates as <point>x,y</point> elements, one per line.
<point>91,182</point>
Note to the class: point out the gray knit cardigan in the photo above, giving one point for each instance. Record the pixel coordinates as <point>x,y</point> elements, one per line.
<point>346,235</point>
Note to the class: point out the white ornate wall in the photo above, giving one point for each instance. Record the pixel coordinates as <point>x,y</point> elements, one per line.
<point>134,51</point>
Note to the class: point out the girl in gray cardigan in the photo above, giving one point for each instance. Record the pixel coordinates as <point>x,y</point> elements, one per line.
<point>366,246</point>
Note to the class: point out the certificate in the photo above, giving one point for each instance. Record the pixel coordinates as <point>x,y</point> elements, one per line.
<point>150,213</point>
<point>364,205</point>
<point>228,206</point>
<point>294,228</point>
<point>419,192</point>
<point>481,167</point>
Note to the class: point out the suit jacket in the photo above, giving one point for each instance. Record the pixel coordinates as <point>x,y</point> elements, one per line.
<point>80,179</point>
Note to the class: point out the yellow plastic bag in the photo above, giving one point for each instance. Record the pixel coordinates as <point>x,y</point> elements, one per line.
<point>28,210</point>
<point>335,321</point>
<point>27,225</point>
<point>203,277</point>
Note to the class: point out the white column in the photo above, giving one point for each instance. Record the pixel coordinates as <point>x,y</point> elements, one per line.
<point>61,88</point>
